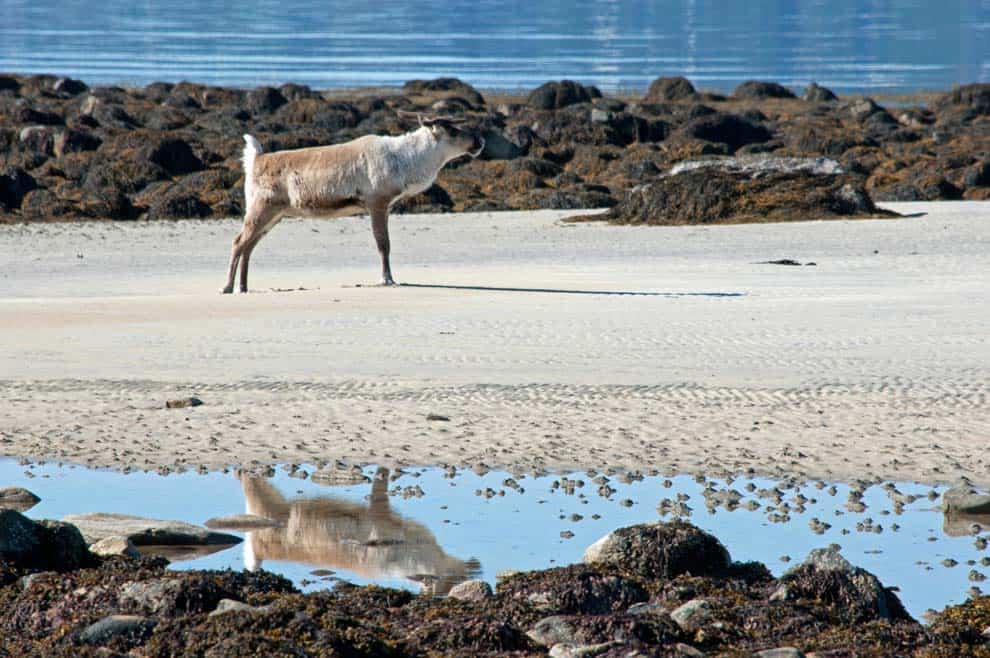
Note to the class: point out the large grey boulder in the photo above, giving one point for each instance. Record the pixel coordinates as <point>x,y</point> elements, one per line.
<point>660,550</point>
<point>146,532</point>
<point>965,499</point>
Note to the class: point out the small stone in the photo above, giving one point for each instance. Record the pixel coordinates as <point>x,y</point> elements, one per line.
<point>471,590</point>
<point>565,650</point>
<point>693,614</point>
<point>230,605</point>
<point>780,652</point>
<point>949,562</point>
<point>116,545</point>
<point>131,626</point>
<point>976,576</point>
<point>438,418</point>
<point>183,403</point>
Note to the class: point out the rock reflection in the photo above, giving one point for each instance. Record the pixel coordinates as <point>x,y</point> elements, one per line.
<point>367,539</point>
<point>960,525</point>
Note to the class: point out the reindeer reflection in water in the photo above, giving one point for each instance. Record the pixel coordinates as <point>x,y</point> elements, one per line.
<point>367,539</point>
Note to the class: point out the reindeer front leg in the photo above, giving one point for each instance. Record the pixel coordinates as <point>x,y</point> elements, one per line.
<point>379,226</point>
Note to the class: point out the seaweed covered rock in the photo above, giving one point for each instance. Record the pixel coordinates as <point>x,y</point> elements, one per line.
<point>555,95</point>
<point>660,550</point>
<point>676,88</point>
<point>712,196</point>
<point>760,89</point>
<point>575,589</point>
<point>730,129</point>
<point>849,592</point>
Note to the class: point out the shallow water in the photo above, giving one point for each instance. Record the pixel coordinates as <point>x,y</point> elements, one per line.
<point>849,45</point>
<point>427,543</point>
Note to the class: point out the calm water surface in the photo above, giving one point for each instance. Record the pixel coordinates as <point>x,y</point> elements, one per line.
<point>849,45</point>
<point>372,533</point>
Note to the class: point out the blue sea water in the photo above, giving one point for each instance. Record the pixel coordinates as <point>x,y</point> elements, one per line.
<point>852,46</point>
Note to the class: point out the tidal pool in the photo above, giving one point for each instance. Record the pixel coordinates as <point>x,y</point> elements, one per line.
<point>426,529</point>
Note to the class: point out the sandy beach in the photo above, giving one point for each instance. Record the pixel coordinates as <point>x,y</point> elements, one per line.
<point>874,363</point>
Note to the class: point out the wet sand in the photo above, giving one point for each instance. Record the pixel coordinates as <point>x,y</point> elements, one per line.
<point>872,364</point>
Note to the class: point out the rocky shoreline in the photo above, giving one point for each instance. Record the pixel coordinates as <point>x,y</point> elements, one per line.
<point>660,589</point>
<point>70,151</point>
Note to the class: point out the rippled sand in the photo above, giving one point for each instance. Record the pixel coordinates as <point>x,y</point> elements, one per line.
<point>872,363</point>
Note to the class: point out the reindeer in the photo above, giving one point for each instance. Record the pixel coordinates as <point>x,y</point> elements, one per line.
<point>364,176</point>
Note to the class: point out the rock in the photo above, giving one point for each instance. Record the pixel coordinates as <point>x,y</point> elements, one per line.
<point>19,537</point>
<point>853,594</point>
<point>664,90</point>
<point>183,403</point>
<point>779,652</point>
<point>964,499</point>
<point>974,97</point>
<point>230,605</point>
<point>576,589</point>
<point>264,100</point>
<point>688,651</point>
<point>9,84</point>
<point>471,590</point>
<point>709,196</point>
<point>110,546</point>
<point>339,475</point>
<point>42,544</point>
<point>132,627</point>
<point>564,650</point>
<point>816,94</point>
<point>242,522</point>
<point>173,155</point>
<point>69,87</point>
<point>730,129</point>
<point>693,614</point>
<point>555,95</point>
<point>146,532</point>
<point>498,147</point>
<point>179,205</point>
<point>759,164</point>
<point>557,629</point>
<point>75,141</point>
<point>15,183</point>
<point>660,550</point>
<point>17,498</point>
<point>756,89</point>
<point>442,88</point>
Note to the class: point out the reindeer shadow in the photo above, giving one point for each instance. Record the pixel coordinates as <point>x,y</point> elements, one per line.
<point>568,291</point>
<point>370,540</point>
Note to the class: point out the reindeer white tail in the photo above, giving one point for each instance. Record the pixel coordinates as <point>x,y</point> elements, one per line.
<point>252,148</point>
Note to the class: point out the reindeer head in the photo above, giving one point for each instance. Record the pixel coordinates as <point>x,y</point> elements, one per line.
<point>452,133</point>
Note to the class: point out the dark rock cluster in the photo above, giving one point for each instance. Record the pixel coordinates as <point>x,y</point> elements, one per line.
<point>665,589</point>
<point>68,150</point>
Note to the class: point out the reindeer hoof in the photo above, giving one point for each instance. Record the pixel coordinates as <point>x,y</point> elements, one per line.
<point>227,290</point>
